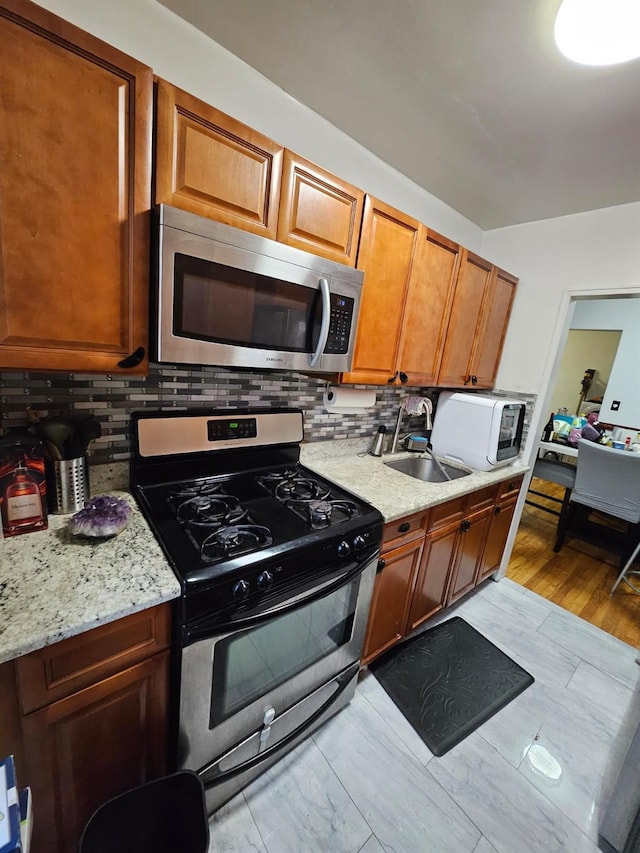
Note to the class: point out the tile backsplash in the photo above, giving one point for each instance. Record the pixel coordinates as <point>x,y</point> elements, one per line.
<point>112,399</point>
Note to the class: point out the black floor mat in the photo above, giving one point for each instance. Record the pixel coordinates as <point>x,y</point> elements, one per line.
<point>448,681</point>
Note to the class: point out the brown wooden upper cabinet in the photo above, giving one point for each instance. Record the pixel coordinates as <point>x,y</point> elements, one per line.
<point>495,317</point>
<point>410,279</point>
<point>75,187</point>
<point>319,212</point>
<point>429,297</point>
<point>214,166</point>
<point>387,246</point>
<point>478,320</point>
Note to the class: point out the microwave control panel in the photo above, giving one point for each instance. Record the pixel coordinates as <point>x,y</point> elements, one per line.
<point>340,321</point>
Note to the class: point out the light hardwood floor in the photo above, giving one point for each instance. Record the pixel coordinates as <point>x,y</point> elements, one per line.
<point>579,578</point>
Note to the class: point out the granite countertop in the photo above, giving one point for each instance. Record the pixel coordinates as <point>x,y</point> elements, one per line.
<point>54,585</point>
<point>395,494</point>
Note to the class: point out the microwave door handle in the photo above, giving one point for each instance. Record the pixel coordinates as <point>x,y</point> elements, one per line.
<point>324,325</point>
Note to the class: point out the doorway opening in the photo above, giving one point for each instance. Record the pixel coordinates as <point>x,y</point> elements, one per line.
<point>580,577</point>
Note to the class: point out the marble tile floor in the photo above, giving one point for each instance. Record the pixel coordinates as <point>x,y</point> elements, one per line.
<point>536,777</point>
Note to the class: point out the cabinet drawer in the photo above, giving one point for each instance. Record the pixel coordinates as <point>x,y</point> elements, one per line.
<point>482,499</point>
<point>446,513</point>
<point>403,530</point>
<point>509,488</point>
<point>73,664</point>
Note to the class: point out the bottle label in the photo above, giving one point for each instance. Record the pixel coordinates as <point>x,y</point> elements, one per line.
<point>23,507</point>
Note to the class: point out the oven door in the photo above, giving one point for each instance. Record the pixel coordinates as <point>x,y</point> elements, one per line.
<point>236,299</point>
<point>246,694</point>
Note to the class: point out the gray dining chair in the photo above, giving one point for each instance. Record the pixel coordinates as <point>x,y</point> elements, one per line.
<point>608,481</point>
<point>553,471</point>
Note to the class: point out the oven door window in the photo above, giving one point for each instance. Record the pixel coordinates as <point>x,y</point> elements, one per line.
<point>222,304</point>
<point>250,664</point>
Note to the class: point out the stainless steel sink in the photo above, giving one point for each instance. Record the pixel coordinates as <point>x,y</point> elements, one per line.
<point>424,468</point>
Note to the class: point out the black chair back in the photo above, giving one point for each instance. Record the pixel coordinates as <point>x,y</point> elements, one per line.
<point>167,815</point>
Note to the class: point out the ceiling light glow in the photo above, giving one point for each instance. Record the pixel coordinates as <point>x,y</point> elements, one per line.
<point>599,32</point>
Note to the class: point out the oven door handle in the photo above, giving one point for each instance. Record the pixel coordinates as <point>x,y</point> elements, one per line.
<point>342,681</point>
<point>314,357</point>
<point>321,591</point>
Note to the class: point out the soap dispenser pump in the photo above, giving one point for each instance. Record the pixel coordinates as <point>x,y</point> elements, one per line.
<point>377,446</point>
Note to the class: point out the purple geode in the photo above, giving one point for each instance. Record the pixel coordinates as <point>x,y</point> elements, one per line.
<point>101,516</point>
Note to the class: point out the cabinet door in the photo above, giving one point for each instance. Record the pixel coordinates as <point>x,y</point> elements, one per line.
<point>465,321</point>
<point>470,544</point>
<point>499,526</point>
<point>424,325</point>
<point>386,252</point>
<point>319,212</point>
<point>495,317</point>
<point>430,593</point>
<point>391,597</point>
<point>93,745</point>
<point>212,165</point>
<point>75,144</point>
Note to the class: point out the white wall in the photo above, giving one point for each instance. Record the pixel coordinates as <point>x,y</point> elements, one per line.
<point>590,254</point>
<point>186,57</point>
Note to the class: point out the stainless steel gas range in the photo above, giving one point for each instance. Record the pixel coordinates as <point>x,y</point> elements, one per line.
<point>276,566</point>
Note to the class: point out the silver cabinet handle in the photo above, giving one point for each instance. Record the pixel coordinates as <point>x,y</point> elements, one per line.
<point>324,325</point>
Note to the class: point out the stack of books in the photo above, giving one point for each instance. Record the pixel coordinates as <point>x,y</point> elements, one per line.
<point>15,811</point>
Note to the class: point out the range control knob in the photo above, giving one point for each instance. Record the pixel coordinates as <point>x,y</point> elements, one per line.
<point>358,543</point>
<point>344,549</point>
<point>265,580</point>
<point>240,590</point>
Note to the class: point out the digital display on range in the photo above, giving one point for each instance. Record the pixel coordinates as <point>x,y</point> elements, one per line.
<point>231,429</point>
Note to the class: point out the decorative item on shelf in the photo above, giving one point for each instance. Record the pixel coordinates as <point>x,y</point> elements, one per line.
<point>102,517</point>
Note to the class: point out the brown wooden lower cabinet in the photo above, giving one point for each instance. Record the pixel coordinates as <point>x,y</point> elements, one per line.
<point>91,746</point>
<point>90,721</point>
<point>470,542</point>
<point>391,598</point>
<point>429,595</point>
<point>496,539</point>
<point>453,547</point>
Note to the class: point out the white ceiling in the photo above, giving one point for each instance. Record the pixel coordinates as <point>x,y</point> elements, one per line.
<point>468,98</point>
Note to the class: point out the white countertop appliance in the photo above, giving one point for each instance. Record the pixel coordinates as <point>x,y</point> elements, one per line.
<point>477,430</point>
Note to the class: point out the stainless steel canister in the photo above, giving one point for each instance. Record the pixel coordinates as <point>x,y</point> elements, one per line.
<point>70,486</point>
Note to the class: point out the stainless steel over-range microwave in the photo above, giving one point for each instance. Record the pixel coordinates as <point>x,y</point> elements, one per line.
<point>230,298</point>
